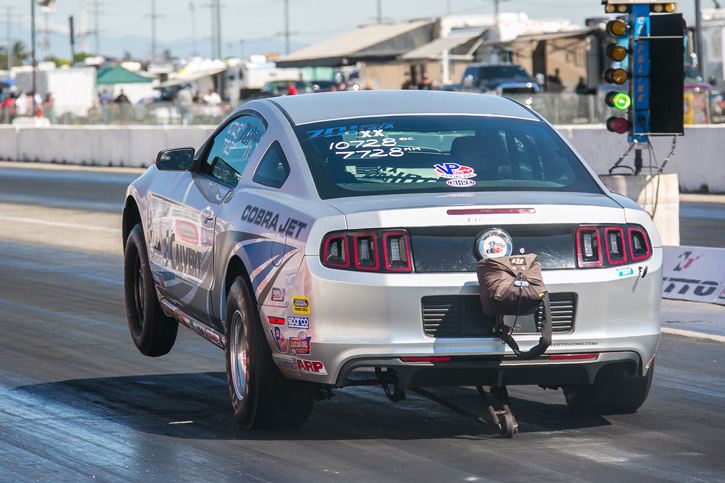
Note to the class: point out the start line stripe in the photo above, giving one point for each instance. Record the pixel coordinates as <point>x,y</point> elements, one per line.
<point>64,225</point>
<point>693,334</point>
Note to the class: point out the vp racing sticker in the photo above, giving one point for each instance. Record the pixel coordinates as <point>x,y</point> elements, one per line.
<point>454,171</point>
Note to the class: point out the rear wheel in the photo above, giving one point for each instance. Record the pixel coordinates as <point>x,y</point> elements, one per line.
<point>614,392</point>
<point>261,396</point>
<point>152,331</point>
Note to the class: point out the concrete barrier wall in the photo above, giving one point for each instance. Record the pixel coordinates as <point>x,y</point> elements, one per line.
<point>699,158</point>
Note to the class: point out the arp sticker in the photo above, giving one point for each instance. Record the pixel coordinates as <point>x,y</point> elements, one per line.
<point>311,367</point>
<point>301,305</point>
<point>299,344</point>
<point>298,323</point>
<point>454,170</point>
<point>460,183</point>
<point>279,339</point>
<point>625,272</point>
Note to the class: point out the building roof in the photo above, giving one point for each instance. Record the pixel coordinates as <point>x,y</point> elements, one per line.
<point>381,41</point>
<point>119,75</point>
<point>436,49</point>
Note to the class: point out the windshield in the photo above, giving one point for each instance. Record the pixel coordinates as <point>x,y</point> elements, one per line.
<point>503,72</point>
<point>438,154</point>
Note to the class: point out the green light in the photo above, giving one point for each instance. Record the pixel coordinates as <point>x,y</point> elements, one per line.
<point>622,101</point>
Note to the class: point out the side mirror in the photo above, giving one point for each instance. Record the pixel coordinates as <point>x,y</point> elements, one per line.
<point>175,159</point>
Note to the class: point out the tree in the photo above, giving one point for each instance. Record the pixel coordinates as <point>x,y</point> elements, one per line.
<point>20,53</point>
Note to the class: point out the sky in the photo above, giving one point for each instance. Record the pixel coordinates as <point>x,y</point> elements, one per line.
<point>250,27</point>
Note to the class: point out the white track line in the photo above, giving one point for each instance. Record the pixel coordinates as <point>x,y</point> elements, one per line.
<point>64,225</point>
<point>693,334</point>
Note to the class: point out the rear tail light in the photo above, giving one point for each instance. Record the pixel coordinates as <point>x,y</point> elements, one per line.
<point>396,251</point>
<point>615,245</point>
<point>638,244</point>
<point>366,251</point>
<point>373,251</point>
<point>605,246</point>
<point>587,246</point>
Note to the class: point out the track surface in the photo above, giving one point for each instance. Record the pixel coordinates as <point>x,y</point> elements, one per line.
<point>78,402</point>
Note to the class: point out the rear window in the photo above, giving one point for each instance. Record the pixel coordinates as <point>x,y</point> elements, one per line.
<point>437,154</point>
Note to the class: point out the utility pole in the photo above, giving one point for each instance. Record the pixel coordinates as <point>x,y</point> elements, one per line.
<point>698,39</point>
<point>72,40</point>
<point>153,16</point>
<point>32,37</point>
<point>380,11</point>
<point>192,9</point>
<point>286,26</point>
<point>218,28</point>
<point>10,47</point>
<point>83,27</point>
<point>96,31</point>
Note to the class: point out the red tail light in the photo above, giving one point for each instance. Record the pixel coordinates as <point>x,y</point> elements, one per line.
<point>370,250</point>
<point>621,243</point>
<point>588,247</point>
<point>638,244</point>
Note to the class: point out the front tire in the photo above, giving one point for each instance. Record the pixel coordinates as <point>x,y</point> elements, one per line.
<point>261,396</point>
<point>152,331</point>
<point>614,392</point>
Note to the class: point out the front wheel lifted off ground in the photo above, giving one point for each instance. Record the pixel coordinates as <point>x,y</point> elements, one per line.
<point>261,396</point>
<point>152,331</point>
<point>614,392</point>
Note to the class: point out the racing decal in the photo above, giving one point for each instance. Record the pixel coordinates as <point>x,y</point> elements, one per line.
<point>290,279</point>
<point>364,130</point>
<point>301,305</point>
<point>184,259</point>
<point>454,170</point>
<point>299,344</point>
<point>625,272</point>
<point>277,294</point>
<point>285,362</point>
<point>298,322</point>
<point>311,367</point>
<point>276,320</point>
<point>462,183</point>
<point>270,220</point>
<point>693,273</point>
<point>279,339</point>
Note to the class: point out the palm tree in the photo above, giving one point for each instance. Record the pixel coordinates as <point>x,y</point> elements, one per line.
<point>20,53</point>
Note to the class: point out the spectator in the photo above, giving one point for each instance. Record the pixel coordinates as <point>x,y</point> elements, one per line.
<point>49,107</point>
<point>8,108</point>
<point>185,101</point>
<point>105,100</point>
<point>368,86</point>
<point>291,88</point>
<point>425,83</point>
<point>21,104</point>
<point>554,82</point>
<point>213,98</point>
<point>124,106</point>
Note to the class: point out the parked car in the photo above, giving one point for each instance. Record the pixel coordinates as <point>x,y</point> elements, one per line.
<point>500,79</point>
<point>315,238</point>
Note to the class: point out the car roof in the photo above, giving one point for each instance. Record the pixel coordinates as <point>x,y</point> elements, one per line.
<point>303,109</point>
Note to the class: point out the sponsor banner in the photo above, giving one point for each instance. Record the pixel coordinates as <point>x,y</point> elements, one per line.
<point>311,367</point>
<point>299,344</point>
<point>696,274</point>
<point>298,322</point>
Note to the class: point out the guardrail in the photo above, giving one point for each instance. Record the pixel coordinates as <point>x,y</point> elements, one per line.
<point>701,107</point>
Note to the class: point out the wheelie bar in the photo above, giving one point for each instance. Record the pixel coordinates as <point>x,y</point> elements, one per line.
<point>502,421</point>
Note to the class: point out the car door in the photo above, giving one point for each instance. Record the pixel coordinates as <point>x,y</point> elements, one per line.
<point>190,219</point>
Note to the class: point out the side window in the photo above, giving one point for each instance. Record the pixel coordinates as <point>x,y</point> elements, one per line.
<point>233,147</point>
<point>273,170</point>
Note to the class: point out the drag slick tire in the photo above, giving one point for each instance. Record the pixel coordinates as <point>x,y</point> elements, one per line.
<point>614,392</point>
<point>152,331</point>
<point>261,396</point>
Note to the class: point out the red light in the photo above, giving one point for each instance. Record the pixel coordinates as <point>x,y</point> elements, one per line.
<point>425,359</point>
<point>563,357</point>
<point>618,125</point>
<point>491,211</point>
<point>276,320</point>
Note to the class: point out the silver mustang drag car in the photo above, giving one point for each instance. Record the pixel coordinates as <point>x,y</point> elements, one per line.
<point>327,240</point>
